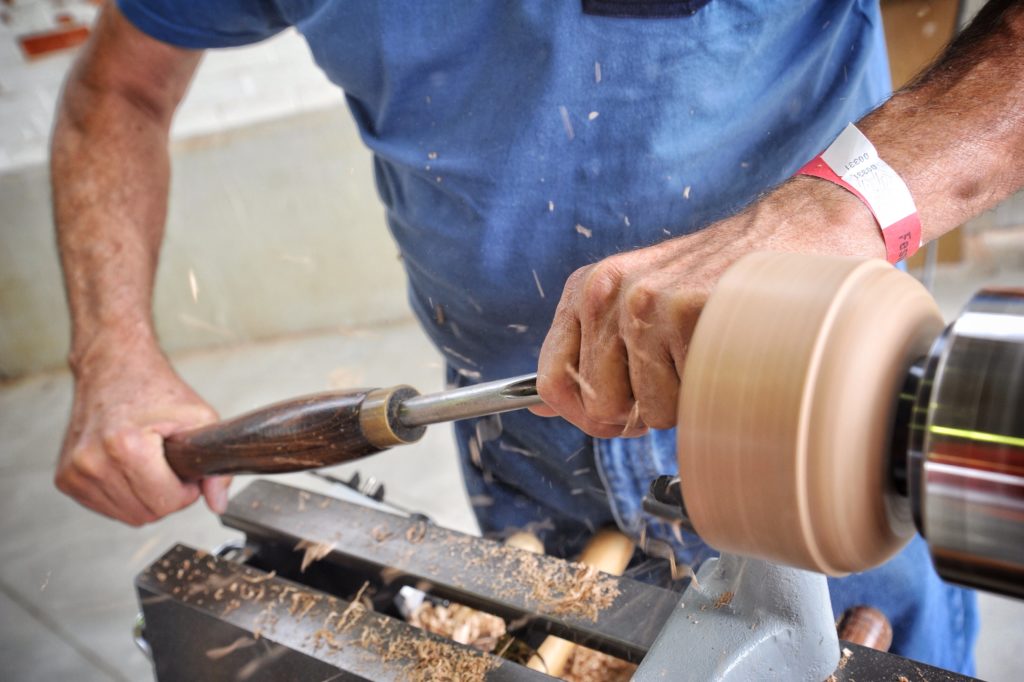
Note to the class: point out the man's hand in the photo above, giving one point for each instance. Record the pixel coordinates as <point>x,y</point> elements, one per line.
<point>110,171</point>
<point>613,360</point>
<point>112,460</point>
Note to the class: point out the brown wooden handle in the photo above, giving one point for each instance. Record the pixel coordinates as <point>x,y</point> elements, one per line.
<point>303,433</point>
<point>866,626</point>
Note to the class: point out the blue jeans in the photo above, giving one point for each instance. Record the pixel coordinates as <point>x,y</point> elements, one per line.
<point>523,471</point>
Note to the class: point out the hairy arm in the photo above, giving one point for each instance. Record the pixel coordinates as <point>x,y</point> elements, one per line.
<point>110,174</point>
<point>613,359</point>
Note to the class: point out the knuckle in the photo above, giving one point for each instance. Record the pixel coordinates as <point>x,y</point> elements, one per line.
<point>87,465</point>
<point>122,445</point>
<point>641,301</point>
<point>115,441</point>
<point>600,287</point>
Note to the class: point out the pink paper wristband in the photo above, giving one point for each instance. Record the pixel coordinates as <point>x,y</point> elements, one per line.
<point>885,194</point>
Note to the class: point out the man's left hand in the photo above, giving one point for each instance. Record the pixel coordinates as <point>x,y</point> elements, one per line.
<point>613,359</point>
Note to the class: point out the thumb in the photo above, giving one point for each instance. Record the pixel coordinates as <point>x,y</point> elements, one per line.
<point>215,490</point>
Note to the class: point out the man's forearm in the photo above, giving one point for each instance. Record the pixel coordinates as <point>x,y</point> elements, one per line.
<point>110,173</point>
<point>956,134</point>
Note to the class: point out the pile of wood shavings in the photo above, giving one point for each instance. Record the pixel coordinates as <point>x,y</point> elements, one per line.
<point>587,665</point>
<point>431,660</point>
<point>460,623</point>
<point>557,587</point>
<point>569,589</point>
<point>426,660</point>
<point>482,631</point>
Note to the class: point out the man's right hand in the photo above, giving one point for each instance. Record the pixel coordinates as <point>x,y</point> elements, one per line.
<point>112,460</point>
<point>111,172</point>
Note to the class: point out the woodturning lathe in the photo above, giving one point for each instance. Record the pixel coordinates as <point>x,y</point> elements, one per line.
<point>825,413</point>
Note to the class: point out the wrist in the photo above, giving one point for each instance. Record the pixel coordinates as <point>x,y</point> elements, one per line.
<point>809,215</point>
<point>113,347</point>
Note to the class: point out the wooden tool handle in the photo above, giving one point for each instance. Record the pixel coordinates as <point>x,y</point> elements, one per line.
<point>303,433</point>
<point>866,626</point>
<point>608,551</point>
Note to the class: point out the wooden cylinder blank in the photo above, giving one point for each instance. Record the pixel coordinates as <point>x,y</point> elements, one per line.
<point>786,408</point>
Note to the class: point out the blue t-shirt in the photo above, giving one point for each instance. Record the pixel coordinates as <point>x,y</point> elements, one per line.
<point>517,141</point>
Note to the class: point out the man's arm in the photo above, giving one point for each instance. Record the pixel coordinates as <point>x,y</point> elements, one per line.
<point>110,173</point>
<point>613,359</point>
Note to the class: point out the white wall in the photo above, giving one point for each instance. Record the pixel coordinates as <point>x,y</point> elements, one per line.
<point>273,209</point>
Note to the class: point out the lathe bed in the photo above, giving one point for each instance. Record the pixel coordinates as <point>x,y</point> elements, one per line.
<point>258,616</point>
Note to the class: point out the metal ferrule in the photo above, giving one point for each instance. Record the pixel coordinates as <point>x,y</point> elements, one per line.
<point>966,478</point>
<point>378,417</point>
<point>472,401</point>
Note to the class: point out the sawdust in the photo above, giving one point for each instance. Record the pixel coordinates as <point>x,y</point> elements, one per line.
<point>314,551</point>
<point>845,659</point>
<point>430,660</point>
<point>425,660</point>
<point>724,599</point>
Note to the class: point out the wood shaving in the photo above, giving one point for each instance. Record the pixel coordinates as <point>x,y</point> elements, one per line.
<point>381,533</point>
<point>633,420</point>
<point>460,623</point>
<point>220,652</point>
<point>314,551</point>
<point>585,387</point>
<point>588,665</point>
<point>845,659</point>
<point>724,599</point>
<point>259,578</point>
<point>415,534</point>
<point>353,611</point>
<point>584,231</point>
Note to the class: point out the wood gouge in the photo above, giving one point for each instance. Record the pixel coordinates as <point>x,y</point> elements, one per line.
<point>331,428</point>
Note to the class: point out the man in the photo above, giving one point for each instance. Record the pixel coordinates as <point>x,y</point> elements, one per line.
<point>518,147</point>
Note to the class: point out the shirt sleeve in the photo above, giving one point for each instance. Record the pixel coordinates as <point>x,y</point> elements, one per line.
<point>208,23</point>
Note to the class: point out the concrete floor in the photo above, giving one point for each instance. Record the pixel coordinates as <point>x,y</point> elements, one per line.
<point>66,598</point>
